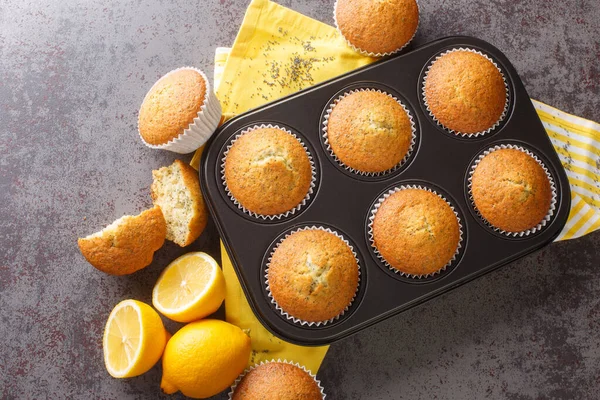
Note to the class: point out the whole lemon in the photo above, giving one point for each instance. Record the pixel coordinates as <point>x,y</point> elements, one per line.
<point>204,358</point>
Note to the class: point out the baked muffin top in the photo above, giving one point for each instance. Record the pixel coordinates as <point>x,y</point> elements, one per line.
<point>277,381</point>
<point>369,131</point>
<point>268,171</point>
<point>511,190</point>
<point>377,26</point>
<point>171,106</point>
<point>313,275</point>
<point>416,231</point>
<point>465,91</point>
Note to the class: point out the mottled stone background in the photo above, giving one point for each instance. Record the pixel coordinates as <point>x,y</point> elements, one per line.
<point>72,76</point>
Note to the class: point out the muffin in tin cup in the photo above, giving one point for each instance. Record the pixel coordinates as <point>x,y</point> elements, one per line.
<point>512,191</point>
<point>268,172</point>
<point>465,92</point>
<point>312,276</point>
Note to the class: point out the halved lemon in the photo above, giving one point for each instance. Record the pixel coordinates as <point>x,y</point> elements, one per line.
<point>190,288</point>
<point>134,339</point>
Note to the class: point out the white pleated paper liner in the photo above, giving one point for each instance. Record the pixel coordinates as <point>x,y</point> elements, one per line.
<point>369,53</point>
<point>451,131</point>
<point>200,129</point>
<point>251,213</point>
<point>329,149</point>
<point>544,222</point>
<point>247,371</point>
<point>284,313</point>
<point>397,272</point>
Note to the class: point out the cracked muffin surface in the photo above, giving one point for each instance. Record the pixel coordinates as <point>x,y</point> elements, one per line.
<point>465,91</point>
<point>268,171</point>
<point>416,231</point>
<point>511,190</point>
<point>369,131</point>
<point>313,275</point>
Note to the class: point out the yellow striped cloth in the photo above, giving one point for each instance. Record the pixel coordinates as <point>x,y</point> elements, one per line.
<point>577,142</point>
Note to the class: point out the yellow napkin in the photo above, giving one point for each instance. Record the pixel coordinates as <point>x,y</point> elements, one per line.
<point>279,51</point>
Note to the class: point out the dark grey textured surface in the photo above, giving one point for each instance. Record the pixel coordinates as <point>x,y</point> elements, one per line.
<point>72,76</point>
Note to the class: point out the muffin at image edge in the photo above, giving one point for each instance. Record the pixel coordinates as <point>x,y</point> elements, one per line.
<point>369,131</point>
<point>511,190</point>
<point>277,380</point>
<point>179,112</point>
<point>268,171</point>
<point>465,92</point>
<point>313,275</point>
<point>377,28</point>
<point>416,232</point>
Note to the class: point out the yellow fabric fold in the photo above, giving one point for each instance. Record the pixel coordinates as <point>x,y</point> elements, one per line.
<point>278,52</point>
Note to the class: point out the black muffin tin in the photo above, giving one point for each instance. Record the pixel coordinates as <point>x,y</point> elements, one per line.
<point>343,201</point>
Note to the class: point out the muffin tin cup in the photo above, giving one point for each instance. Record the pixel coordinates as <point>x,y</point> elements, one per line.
<point>373,213</point>
<point>402,162</point>
<point>280,309</point>
<point>311,189</point>
<point>463,134</point>
<point>553,202</point>
<point>369,53</point>
<point>200,129</point>
<point>247,371</point>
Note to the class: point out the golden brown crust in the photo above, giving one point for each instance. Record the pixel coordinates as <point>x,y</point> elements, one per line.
<point>130,247</point>
<point>171,106</point>
<point>268,171</point>
<point>313,275</point>
<point>369,131</point>
<point>198,217</point>
<point>465,92</point>
<point>377,26</point>
<point>277,381</point>
<point>511,190</point>
<point>416,231</point>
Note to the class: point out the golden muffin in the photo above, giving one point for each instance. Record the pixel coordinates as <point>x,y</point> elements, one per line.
<point>171,106</point>
<point>377,27</point>
<point>369,131</point>
<point>128,244</point>
<point>511,190</point>
<point>416,232</point>
<point>277,381</point>
<point>313,275</point>
<point>268,171</point>
<point>465,92</point>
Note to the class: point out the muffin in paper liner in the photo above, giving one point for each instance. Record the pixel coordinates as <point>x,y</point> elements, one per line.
<point>268,288</point>
<point>402,162</point>
<point>369,53</point>
<point>302,367</point>
<point>200,129</point>
<point>463,134</point>
<point>553,201</point>
<point>373,212</point>
<point>276,216</point>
